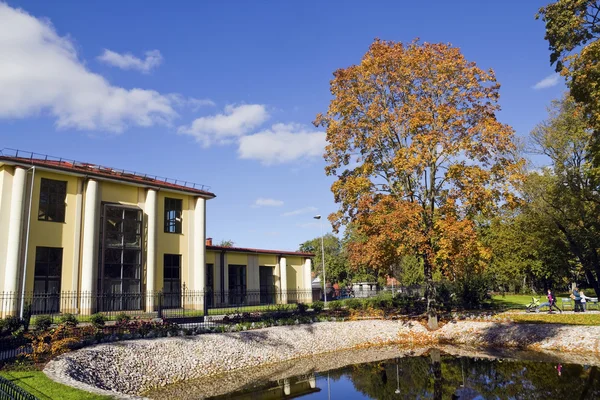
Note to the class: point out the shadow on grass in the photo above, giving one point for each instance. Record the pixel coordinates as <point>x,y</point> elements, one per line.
<point>520,336</point>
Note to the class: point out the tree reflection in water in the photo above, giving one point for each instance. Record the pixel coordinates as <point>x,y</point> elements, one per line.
<point>438,377</point>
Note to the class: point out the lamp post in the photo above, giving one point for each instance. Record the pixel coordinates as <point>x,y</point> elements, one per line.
<point>323,260</point>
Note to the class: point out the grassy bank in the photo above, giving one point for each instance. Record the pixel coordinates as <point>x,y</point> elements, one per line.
<point>39,385</point>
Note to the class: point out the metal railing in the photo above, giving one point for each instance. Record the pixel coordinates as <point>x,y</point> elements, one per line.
<point>10,391</point>
<point>32,157</point>
<point>150,304</point>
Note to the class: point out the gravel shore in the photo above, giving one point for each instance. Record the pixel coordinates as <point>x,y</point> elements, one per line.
<point>128,369</point>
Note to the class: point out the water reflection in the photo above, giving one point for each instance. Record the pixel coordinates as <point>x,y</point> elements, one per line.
<point>436,376</point>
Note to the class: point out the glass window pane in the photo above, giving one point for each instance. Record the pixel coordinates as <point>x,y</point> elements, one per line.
<point>41,254</point>
<point>112,256</point>
<point>112,271</point>
<point>131,257</point>
<point>131,271</point>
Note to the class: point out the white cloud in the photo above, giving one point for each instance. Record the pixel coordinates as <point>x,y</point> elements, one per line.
<point>299,211</point>
<point>236,121</point>
<point>281,144</point>
<point>190,102</point>
<point>263,202</point>
<point>129,61</point>
<point>549,81</point>
<point>40,72</point>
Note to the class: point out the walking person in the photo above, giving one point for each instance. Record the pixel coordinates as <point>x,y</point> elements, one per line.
<point>584,300</point>
<point>577,298</point>
<point>551,303</point>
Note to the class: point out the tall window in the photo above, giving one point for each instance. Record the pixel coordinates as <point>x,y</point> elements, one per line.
<point>172,280</point>
<point>46,284</point>
<point>52,200</point>
<point>119,278</point>
<point>267,285</point>
<point>173,215</point>
<point>237,284</point>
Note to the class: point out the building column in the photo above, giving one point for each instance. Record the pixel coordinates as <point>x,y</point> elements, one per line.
<point>199,251</point>
<point>307,280</point>
<point>152,213</point>
<point>89,260</point>
<point>77,245</point>
<point>283,279</point>
<point>13,248</point>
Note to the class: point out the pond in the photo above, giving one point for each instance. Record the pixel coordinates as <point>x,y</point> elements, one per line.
<point>430,375</point>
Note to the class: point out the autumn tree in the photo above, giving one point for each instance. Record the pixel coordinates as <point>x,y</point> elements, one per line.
<point>417,153</point>
<point>573,33</point>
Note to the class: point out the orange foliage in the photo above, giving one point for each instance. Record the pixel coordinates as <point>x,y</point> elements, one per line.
<point>417,151</point>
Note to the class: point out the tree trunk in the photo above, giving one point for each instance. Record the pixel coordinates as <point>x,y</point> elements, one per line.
<point>430,294</point>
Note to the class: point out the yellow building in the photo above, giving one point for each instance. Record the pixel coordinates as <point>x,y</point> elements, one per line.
<point>82,238</point>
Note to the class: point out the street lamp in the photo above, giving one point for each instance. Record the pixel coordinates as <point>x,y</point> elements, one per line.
<point>323,260</point>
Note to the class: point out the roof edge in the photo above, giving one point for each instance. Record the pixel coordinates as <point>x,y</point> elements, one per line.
<point>259,251</point>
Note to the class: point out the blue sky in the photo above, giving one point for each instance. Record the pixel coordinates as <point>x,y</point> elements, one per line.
<point>223,93</point>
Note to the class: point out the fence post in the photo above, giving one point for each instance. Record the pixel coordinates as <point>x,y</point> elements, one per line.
<point>206,293</point>
<point>160,305</point>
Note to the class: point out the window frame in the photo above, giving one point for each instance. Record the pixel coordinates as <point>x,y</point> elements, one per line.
<point>173,215</point>
<point>52,198</point>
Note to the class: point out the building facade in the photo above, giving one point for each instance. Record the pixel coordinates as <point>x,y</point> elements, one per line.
<point>110,239</point>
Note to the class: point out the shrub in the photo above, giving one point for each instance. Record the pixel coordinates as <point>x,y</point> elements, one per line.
<point>445,295</point>
<point>302,308</point>
<point>353,304</point>
<point>11,326</point>
<point>335,305</point>
<point>26,316</point>
<point>68,319</point>
<point>472,292</point>
<point>317,306</point>
<point>122,318</point>
<point>43,323</point>
<point>98,320</point>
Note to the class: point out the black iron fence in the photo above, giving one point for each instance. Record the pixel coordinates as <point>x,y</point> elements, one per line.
<point>149,304</point>
<point>10,391</point>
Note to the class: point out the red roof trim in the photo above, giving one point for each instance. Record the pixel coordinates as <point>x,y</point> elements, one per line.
<point>259,251</point>
<point>93,170</point>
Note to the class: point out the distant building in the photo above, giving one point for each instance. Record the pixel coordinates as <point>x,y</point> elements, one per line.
<point>95,232</point>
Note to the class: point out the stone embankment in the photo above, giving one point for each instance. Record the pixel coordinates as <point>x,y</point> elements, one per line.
<point>133,367</point>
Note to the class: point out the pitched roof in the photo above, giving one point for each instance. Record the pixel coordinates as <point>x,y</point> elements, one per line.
<point>100,171</point>
<point>259,251</point>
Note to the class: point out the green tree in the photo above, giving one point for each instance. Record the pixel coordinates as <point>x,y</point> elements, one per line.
<point>336,263</point>
<point>572,32</point>
<point>527,251</point>
<point>564,193</point>
<point>226,243</point>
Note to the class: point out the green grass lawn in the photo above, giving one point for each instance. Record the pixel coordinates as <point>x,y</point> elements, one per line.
<point>556,318</point>
<point>519,301</point>
<point>39,385</point>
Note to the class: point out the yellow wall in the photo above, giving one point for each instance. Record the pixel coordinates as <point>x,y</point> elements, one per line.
<point>174,243</point>
<point>269,260</point>
<point>294,273</point>
<point>53,234</point>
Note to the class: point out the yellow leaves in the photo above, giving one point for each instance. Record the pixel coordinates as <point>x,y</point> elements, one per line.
<point>417,123</point>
